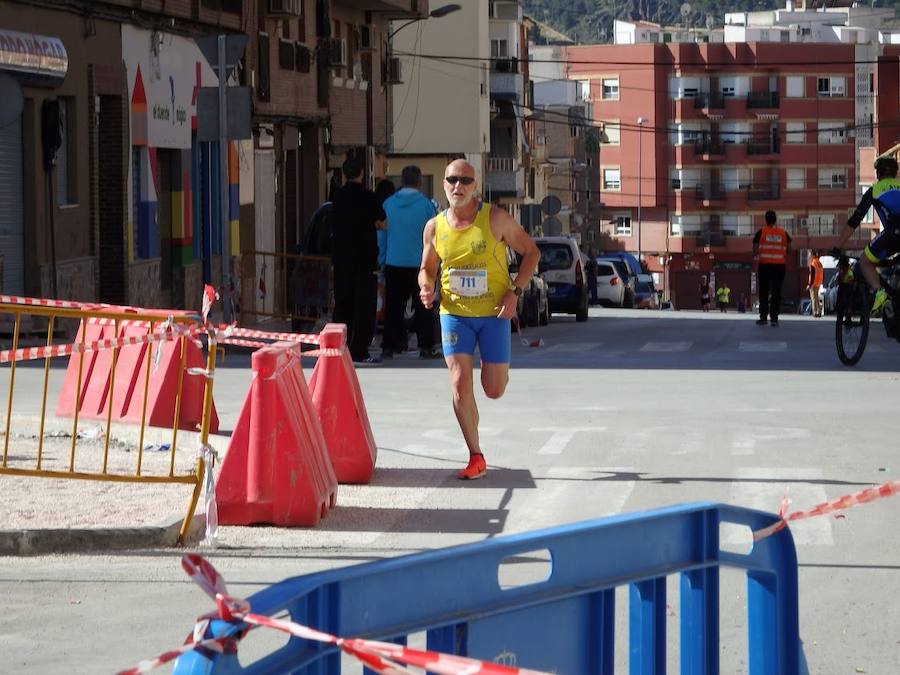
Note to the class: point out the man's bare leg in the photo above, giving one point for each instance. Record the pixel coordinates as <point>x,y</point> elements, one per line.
<point>870,273</point>
<point>494,378</point>
<point>461,387</point>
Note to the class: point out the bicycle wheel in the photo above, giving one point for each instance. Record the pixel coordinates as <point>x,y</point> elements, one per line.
<point>851,328</point>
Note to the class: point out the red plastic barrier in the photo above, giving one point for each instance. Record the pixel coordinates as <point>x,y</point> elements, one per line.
<point>276,469</point>
<point>128,390</point>
<point>342,411</point>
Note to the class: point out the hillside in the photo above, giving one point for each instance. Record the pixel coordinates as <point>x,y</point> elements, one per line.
<point>591,21</point>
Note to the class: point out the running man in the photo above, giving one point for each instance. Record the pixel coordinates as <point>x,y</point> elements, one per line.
<point>478,299</point>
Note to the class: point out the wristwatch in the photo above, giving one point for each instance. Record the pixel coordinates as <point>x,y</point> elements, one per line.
<point>517,290</point>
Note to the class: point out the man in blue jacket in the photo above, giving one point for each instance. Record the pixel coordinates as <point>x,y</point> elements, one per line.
<point>407,212</point>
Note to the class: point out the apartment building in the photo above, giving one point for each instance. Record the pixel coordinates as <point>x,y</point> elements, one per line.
<point>509,172</point>
<point>441,106</point>
<point>700,139</point>
<point>567,156</point>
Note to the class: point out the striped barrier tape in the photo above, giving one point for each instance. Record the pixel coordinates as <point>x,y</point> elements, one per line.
<point>253,344</point>
<point>306,338</point>
<point>45,302</point>
<point>888,489</point>
<point>382,657</point>
<point>51,351</point>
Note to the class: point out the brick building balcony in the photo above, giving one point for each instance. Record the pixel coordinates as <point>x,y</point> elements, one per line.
<point>762,99</point>
<point>709,193</point>
<point>763,145</point>
<point>712,100</point>
<point>762,192</point>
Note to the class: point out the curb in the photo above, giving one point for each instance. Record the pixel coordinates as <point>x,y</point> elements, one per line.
<point>87,540</point>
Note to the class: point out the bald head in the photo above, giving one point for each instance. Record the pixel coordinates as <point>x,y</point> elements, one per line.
<point>459,167</point>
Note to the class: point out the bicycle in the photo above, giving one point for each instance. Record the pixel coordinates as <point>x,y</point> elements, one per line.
<point>853,309</point>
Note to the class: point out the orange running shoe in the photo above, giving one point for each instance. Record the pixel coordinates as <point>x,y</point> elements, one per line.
<point>476,468</point>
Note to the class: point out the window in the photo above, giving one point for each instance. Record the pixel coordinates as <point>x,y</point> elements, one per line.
<point>795,132</point>
<point>66,184</point>
<point>675,176</point>
<point>611,179</point>
<point>734,132</point>
<point>832,133</point>
<point>686,135</point>
<point>684,87</point>
<point>734,85</point>
<point>610,89</point>
<point>584,90</point>
<point>499,49</point>
<point>734,178</point>
<point>870,214</point>
<point>735,225</point>
<point>794,86</point>
<point>832,178</point>
<point>830,87</point>
<point>675,226</point>
<point>796,179</point>
<point>610,133</point>
<point>623,226</point>
<point>685,178</point>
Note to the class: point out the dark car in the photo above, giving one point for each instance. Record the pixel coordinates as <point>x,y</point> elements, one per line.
<point>534,304</point>
<point>645,296</point>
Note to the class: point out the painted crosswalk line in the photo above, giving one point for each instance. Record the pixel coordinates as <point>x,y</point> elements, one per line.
<point>666,347</point>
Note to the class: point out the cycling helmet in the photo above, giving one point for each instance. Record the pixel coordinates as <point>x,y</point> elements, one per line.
<point>886,166</point>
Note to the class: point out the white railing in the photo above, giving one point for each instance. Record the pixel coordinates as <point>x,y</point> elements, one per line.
<point>501,164</point>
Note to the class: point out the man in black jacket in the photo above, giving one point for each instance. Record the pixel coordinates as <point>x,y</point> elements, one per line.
<point>354,256</point>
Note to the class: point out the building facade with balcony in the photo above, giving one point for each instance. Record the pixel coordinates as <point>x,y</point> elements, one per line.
<point>700,140</point>
<point>441,107</point>
<point>509,174</point>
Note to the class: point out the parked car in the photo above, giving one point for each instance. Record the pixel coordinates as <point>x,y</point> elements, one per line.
<point>610,286</point>
<point>561,266</point>
<point>534,304</point>
<point>631,262</point>
<point>626,275</point>
<point>645,296</point>
<point>828,292</point>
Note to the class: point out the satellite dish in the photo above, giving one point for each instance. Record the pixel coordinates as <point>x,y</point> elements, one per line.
<point>686,9</point>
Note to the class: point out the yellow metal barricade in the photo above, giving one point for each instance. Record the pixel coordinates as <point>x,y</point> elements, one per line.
<point>285,286</point>
<point>159,329</point>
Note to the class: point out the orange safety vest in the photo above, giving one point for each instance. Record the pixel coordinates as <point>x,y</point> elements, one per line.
<point>772,246</point>
<point>818,272</point>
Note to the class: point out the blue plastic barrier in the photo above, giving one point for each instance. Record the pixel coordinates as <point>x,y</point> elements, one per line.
<point>565,624</point>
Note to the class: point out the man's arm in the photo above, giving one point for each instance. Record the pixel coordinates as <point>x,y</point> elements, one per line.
<point>428,268</point>
<point>756,238</point>
<point>855,219</point>
<point>507,230</point>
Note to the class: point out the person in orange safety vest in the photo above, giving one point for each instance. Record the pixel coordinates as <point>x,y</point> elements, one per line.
<point>814,283</point>
<point>770,248</point>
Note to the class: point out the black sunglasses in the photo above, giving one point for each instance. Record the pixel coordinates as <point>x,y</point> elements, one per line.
<point>465,180</point>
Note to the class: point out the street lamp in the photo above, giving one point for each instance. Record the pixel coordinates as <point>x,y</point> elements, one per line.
<point>436,13</point>
<point>640,121</point>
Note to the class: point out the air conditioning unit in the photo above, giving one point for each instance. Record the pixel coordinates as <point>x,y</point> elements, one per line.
<point>286,7</point>
<point>337,52</point>
<point>393,73</point>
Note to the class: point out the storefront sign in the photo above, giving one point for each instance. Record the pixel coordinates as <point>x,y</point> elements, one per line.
<point>165,72</point>
<point>37,58</point>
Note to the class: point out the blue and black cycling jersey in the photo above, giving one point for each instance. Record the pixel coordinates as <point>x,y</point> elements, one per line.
<point>884,196</point>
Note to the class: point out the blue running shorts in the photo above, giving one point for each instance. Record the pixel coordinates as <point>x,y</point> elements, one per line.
<point>460,334</point>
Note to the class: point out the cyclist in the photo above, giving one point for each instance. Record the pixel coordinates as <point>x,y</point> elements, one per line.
<point>884,195</point>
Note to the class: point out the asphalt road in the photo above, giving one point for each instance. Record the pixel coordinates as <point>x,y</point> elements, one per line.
<point>630,411</point>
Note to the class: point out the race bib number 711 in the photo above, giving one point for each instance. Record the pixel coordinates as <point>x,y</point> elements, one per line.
<point>468,283</point>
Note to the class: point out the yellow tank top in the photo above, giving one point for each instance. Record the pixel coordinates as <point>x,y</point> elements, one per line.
<point>474,273</point>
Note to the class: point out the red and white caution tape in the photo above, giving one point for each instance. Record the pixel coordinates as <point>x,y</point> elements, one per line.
<point>305,338</point>
<point>381,657</point>
<point>847,501</point>
<point>45,302</point>
<point>50,351</point>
